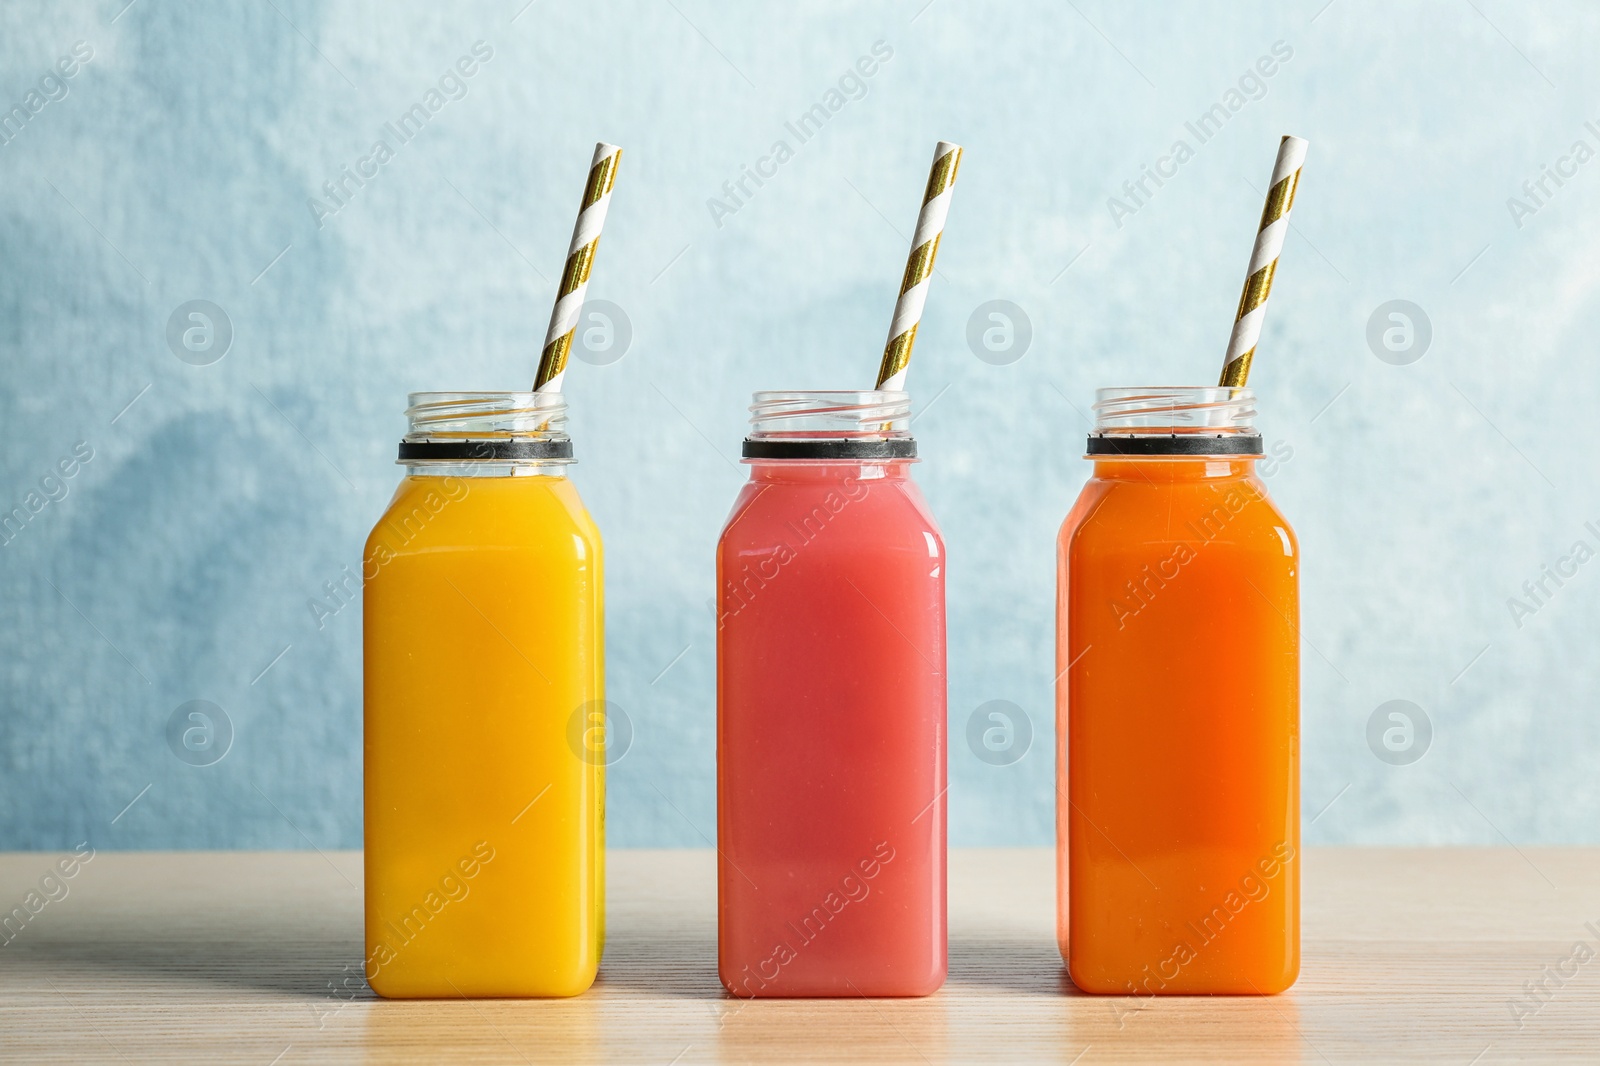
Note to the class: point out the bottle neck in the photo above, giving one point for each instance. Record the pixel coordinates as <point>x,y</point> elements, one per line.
<point>800,472</point>
<point>489,468</point>
<point>1176,423</point>
<point>857,430</point>
<point>486,434</point>
<point>1169,469</point>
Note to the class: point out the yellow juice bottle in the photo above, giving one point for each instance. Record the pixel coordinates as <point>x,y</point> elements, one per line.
<point>484,709</point>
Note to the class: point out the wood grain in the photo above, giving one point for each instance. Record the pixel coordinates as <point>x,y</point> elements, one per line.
<point>1409,955</point>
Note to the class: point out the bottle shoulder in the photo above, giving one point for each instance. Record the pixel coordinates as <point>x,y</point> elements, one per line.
<point>428,513</point>
<point>1112,512</point>
<point>889,511</point>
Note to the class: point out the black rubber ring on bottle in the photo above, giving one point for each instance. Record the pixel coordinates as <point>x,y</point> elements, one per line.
<point>454,450</point>
<point>892,448</point>
<point>1175,444</point>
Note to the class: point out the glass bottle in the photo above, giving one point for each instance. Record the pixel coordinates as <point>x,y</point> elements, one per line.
<point>484,709</point>
<point>831,707</point>
<point>1177,705</point>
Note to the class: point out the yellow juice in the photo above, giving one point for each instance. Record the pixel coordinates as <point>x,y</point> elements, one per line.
<point>484,781</point>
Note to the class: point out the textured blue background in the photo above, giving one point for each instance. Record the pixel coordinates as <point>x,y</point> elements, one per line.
<point>182,559</point>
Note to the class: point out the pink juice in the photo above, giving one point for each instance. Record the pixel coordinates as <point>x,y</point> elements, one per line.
<point>831,724</point>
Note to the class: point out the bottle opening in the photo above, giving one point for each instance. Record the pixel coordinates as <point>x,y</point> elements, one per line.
<point>830,424</point>
<point>1174,420</point>
<point>502,428</point>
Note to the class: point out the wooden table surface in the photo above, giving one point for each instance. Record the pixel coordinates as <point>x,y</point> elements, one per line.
<point>1409,955</point>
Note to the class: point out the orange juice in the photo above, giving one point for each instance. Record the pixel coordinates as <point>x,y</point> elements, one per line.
<point>484,684</point>
<point>1178,706</point>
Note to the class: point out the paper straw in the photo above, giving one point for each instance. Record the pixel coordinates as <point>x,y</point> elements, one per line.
<point>580,260</point>
<point>1263,262</point>
<point>919,267</point>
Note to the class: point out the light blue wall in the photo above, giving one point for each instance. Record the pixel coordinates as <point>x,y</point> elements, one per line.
<point>182,558</point>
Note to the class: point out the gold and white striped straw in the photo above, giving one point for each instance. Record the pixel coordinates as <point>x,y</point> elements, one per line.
<point>580,260</point>
<point>1263,263</point>
<point>919,267</point>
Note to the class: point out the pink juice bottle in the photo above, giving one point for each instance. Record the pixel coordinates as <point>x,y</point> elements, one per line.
<point>830,707</point>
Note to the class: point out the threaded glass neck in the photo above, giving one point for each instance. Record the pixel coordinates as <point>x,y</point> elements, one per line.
<point>830,415</point>
<point>475,415</point>
<point>871,426</point>
<point>493,434</point>
<point>1174,409</point>
<point>1169,420</point>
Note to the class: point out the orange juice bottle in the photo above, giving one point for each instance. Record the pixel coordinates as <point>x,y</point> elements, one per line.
<point>1177,706</point>
<point>484,721</point>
